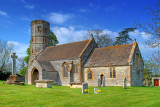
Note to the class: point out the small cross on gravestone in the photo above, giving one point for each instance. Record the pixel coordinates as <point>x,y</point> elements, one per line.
<point>14,57</point>
<point>84,87</point>
<point>124,83</point>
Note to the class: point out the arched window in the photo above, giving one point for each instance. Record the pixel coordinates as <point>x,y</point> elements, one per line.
<point>89,74</point>
<point>65,70</point>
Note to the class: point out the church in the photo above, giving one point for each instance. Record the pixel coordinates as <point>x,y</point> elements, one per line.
<point>82,61</point>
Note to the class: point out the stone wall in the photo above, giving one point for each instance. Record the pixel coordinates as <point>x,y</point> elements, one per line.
<point>121,73</point>
<point>34,65</point>
<point>137,76</point>
<point>58,66</point>
<point>85,56</point>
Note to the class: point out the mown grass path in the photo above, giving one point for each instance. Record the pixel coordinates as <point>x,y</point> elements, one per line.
<point>59,96</point>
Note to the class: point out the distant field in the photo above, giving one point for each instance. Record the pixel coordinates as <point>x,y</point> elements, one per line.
<point>13,95</point>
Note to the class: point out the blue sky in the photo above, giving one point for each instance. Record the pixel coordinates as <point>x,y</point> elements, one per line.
<point>70,19</point>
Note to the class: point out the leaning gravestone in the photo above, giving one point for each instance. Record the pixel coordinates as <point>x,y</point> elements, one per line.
<point>124,83</point>
<point>95,90</point>
<point>84,86</point>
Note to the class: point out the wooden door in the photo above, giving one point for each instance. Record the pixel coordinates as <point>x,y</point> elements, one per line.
<point>156,82</point>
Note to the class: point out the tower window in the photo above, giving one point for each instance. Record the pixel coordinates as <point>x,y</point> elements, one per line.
<point>45,30</point>
<point>39,29</point>
<point>32,51</point>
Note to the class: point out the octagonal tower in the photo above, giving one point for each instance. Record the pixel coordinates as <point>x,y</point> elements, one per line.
<point>39,37</point>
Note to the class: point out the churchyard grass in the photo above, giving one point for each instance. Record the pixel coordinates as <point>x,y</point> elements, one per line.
<point>57,96</point>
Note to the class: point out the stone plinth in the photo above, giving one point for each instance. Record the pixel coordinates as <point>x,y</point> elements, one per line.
<point>44,83</point>
<point>13,79</point>
<point>75,85</point>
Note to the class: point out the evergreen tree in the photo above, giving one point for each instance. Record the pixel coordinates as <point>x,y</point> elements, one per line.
<point>124,36</point>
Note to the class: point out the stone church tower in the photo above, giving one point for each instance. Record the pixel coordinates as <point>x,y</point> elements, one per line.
<point>39,37</point>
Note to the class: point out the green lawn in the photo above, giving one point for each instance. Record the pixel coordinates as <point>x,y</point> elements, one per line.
<point>13,95</point>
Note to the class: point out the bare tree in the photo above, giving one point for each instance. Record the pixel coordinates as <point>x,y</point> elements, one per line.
<point>20,64</point>
<point>153,26</point>
<point>102,39</point>
<point>5,51</point>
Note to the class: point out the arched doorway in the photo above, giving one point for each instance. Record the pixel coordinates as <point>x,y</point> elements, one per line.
<point>102,80</point>
<point>35,76</point>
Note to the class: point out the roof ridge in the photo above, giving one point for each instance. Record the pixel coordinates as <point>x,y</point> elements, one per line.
<point>86,46</point>
<point>114,46</point>
<point>68,43</point>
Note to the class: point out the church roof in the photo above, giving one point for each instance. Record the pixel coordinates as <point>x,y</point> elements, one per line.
<point>47,66</point>
<point>111,56</point>
<point>64,51</point>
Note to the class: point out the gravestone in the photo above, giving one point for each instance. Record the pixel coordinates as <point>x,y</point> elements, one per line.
<point>14,57</point>
<point>84,86</point>
<point>95,90</point>
<point>124,83</point>
<point>103,82</point>
<point>99,82</point>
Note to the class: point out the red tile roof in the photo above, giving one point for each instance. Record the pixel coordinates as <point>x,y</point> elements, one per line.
<point>64,51</point>
<point>110,56</point>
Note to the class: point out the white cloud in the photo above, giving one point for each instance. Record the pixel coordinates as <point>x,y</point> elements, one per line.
<point>59,18</point>
<point>19,48</point>
<point>3,13</point>
<point>66,35</point>
<point>29,6</point>
<point>110,33</point>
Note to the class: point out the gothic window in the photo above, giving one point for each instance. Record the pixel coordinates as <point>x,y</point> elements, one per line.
<point>137,62</point>
<point>75,69</point>
<point>112,73</point>
<point>65,70</point>
<point>89,74</point>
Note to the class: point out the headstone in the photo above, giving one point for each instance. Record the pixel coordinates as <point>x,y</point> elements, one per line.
<point>95,90</point>
<point>84,86</point>
<point>99,82</point>
<point>103,82</point>
<point>14,57</point>
<point>124,83</point>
